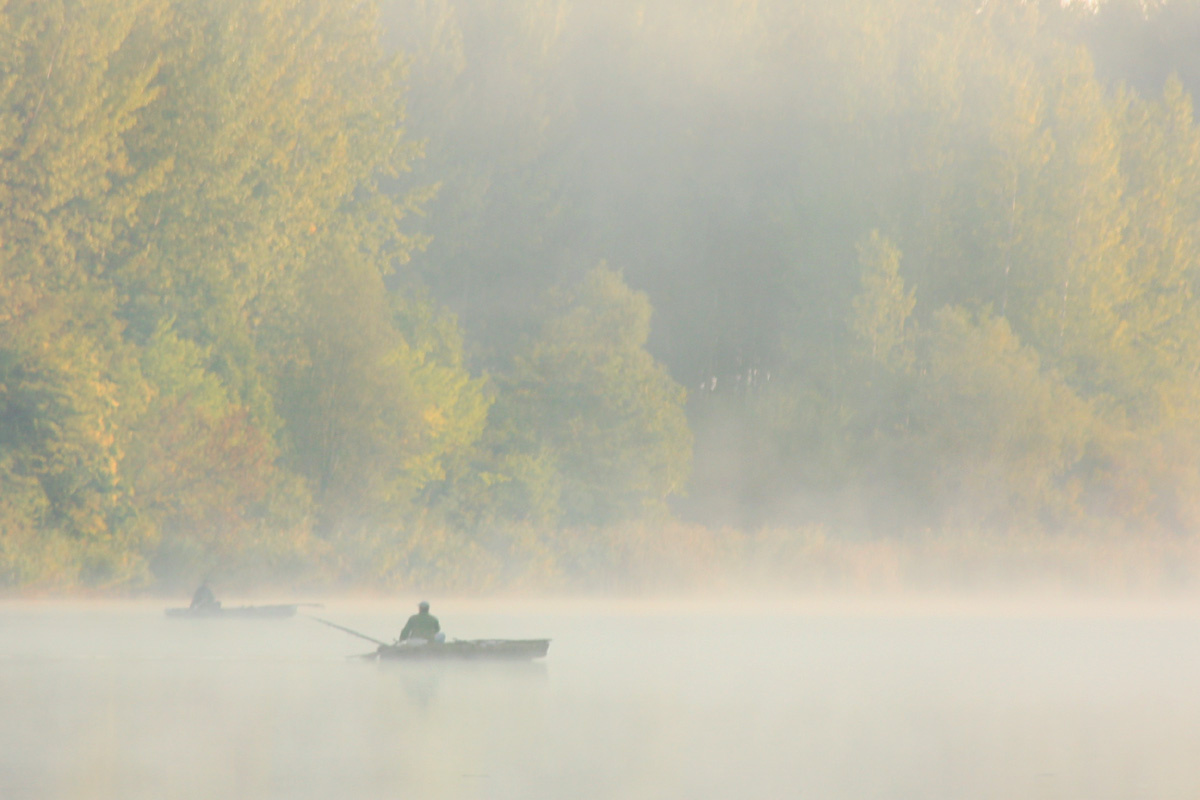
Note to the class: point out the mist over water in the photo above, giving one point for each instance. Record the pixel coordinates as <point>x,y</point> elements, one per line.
<point>836,699</point>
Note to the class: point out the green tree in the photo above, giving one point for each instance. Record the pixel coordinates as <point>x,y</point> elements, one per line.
<point>75,77</point>
<point>997,437</point>
<point>204,476</point>
<point>377,399</point>
<point>177,177</point>
<point>883,307</point>
<point>587,394</point>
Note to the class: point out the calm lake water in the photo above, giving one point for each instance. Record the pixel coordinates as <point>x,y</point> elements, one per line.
<point>772,700</point>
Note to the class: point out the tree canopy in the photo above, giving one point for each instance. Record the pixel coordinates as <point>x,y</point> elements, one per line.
<point>307,286</point>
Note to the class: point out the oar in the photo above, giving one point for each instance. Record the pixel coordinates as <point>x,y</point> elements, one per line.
<point>351,632</point>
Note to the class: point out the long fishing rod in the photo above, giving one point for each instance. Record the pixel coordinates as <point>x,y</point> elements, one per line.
<point>349,631</point>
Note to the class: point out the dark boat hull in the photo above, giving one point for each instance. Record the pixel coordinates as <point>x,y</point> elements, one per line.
<point>235,612</point>
<point>468,650</point>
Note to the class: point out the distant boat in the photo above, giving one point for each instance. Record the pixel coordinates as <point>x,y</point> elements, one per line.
<point>465,649</point>
<point>235,612</point>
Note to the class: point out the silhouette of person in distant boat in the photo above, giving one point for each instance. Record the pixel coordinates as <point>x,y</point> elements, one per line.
<point>203,599</point>
<point>422,626</point>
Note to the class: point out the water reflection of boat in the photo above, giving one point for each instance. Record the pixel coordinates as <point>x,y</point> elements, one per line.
<point>458,649</point>
<point>235,612</point>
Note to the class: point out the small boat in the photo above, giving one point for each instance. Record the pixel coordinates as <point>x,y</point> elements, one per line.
<point>235,612</point>
<point>465,649</point>
<point>450,650</point>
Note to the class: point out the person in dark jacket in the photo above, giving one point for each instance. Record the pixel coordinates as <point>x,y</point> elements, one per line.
<point>422,625</point>
<point>204,599</point>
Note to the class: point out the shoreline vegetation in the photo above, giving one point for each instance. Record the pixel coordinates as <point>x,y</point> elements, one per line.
<point>516,295</point>
<point>675,559</point>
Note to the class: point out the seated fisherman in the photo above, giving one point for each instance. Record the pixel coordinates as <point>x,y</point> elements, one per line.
<point>204,598</point>
<point>422,625</point>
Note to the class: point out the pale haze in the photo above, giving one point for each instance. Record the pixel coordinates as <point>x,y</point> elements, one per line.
<point>820,377</point>
<point>834,698</point>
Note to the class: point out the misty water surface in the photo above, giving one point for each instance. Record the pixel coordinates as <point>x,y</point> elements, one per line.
<point>669,700</point>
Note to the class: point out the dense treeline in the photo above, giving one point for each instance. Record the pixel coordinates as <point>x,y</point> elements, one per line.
<point>201,364</point>
<point>308,287</point>
<point>921,265</point>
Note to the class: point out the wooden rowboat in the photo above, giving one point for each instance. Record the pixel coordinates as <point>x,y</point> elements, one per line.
<point>466,649</point>
<point>451,650</point>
